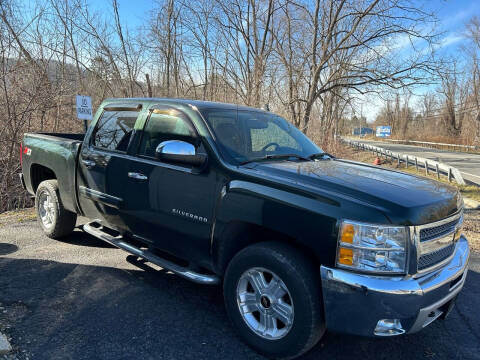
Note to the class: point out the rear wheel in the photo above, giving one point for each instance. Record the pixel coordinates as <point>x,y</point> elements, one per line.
<point>273,297</point>
<point>54,219</point>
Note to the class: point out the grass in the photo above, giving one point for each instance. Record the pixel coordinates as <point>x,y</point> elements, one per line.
<point>470,191</point>
<point>467,191</point>
<point>19,216</point>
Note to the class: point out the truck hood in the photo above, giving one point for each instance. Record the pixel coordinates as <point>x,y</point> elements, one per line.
<point>405,199</point>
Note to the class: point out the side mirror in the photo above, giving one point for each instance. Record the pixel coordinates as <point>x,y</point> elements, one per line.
<point>179,152</point>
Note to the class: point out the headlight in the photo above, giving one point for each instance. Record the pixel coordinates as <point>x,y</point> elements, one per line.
<point>372,248</point>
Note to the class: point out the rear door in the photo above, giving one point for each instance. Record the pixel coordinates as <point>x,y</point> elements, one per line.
<point>170,204</point>
<point>102,168</point>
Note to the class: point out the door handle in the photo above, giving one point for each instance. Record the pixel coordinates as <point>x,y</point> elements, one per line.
<point>137,176</point>
<point>89,163</point>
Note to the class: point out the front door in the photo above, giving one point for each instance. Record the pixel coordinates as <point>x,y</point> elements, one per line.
<point>170,204</point>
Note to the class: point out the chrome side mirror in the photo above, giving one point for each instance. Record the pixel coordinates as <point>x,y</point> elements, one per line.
<point>178,151</point>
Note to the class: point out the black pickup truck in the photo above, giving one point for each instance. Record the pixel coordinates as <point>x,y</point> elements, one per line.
<point>220,193</point>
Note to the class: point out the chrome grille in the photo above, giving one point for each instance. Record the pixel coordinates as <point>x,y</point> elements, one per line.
<point>438,231</point>
<point>435,257</point>
<point>436,242</point>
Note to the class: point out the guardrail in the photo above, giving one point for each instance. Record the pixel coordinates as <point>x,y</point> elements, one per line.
<point>437,145</point>
<point>429,165</point>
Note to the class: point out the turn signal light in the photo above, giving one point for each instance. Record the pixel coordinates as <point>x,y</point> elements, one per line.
<point>348,232</point>
<point>345,256</point>
<point>372,248</point>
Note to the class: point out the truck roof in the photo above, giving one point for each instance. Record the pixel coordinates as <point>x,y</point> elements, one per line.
<point>200,104</point>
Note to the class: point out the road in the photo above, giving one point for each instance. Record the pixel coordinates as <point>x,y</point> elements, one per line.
<point>468,164</point>
<point>81,299</point>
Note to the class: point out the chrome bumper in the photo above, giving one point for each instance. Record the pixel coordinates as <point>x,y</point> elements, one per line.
<point>354,303</point>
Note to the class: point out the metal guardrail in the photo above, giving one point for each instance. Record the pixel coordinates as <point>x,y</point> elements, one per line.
<point>435,144</point>
<point>429,165</point>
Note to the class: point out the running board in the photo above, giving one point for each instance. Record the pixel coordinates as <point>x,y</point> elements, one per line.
<point>182,271</point>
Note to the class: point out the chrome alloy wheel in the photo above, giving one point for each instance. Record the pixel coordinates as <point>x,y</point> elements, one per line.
<point>265,303</point>
<point>46,209</point>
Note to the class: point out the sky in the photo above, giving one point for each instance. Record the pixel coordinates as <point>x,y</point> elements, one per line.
<point>452,16</point>
<point>133,12</point>
<point>451,13</point>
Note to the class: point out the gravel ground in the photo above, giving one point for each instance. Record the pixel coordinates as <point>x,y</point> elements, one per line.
<point>472,229</point>
<point>82,299</point>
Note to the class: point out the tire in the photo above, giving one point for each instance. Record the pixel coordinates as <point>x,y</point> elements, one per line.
<point>55,220</point>
<point>304,323</point>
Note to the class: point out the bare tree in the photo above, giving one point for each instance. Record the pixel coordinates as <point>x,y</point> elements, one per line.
<point>245,34</point>
<point>473,52</point>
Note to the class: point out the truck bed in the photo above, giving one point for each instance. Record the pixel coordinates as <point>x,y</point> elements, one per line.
<point>55,153</point>
<point>62,136</point>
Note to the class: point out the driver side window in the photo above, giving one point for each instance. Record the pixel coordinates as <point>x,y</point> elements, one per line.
<point>163,125</point>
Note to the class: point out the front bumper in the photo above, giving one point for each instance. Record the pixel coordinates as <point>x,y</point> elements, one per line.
<point>354,303</point>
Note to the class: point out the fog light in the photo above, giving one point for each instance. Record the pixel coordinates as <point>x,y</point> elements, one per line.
<point>389,327</point>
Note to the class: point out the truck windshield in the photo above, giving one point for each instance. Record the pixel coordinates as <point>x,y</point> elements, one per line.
<point>245,136</point>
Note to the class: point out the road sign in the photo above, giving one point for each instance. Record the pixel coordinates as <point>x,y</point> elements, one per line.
<point>384,131</point>
<point>84,107</point>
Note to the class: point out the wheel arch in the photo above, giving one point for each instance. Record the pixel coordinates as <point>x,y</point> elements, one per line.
<point>248,213</point>
<point>237,235</point>
<point>39,173</point>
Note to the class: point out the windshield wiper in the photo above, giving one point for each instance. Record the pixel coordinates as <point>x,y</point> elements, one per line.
<point>320,155</point>
<point>275,157</point>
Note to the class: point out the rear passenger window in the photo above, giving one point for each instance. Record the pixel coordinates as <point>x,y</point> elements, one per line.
<point>163,125</point>
<point>114,130</point>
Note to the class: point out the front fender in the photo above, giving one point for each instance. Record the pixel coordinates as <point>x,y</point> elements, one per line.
<point>310,221</point>
<point>308,218</point>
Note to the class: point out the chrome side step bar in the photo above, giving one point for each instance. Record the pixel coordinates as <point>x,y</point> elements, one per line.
<point>118,241</point>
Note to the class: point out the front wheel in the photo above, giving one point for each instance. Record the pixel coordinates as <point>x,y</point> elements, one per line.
<point>54,219</point>
<point>273,297</point>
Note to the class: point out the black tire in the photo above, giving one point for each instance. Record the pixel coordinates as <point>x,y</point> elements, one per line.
<point>300,276</point>
<point>62,221</point>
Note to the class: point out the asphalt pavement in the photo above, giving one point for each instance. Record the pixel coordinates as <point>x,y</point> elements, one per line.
<point>468,164</point>
<point>82,299</point>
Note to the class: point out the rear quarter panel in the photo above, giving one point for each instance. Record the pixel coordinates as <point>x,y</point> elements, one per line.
<point>60,157</point>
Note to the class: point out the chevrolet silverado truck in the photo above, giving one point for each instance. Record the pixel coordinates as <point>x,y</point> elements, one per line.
<point>218,193</point>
